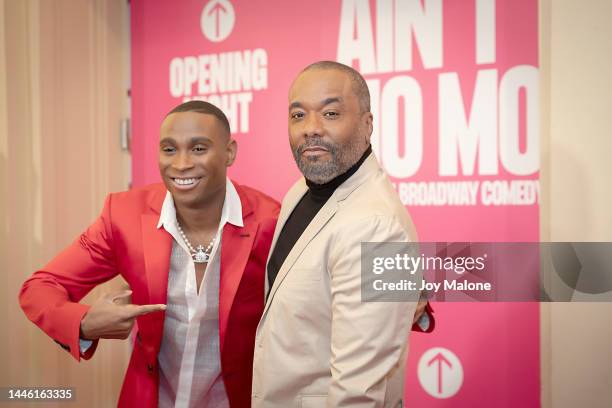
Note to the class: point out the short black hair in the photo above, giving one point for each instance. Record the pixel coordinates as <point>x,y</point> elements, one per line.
<point>358,83</point>
<point>202,107</point>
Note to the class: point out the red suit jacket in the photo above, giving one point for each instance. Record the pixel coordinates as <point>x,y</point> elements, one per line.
<point>124,240</point>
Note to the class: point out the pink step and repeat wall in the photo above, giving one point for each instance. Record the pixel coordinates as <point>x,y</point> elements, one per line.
<point>454,87</point>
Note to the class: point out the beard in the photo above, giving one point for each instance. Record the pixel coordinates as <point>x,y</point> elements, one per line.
<point>321,170</point>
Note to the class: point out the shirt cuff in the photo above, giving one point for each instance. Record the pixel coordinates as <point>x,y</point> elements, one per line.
<point>423,322</point>
<point>84,345</point>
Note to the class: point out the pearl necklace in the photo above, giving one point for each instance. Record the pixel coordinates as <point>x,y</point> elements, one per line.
<point>199,254</point>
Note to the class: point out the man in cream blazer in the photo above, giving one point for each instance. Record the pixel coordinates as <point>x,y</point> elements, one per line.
<point>318,344</point>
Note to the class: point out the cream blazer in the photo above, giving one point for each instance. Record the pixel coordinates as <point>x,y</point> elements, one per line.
<point>317,344</point>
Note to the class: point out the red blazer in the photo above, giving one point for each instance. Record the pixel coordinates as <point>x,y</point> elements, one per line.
<point>125,240</point>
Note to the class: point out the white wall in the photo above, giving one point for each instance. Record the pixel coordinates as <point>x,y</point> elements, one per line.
<point>576,176</point>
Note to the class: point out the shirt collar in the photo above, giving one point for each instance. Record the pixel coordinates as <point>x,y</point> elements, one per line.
<point>231,212</point>
<point>234,205</point>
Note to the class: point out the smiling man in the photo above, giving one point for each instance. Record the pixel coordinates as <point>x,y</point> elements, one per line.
<point>318,344</point>
<point>193,251</point>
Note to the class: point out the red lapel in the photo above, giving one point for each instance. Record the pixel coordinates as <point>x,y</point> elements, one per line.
<point>157,246</point>
<point>236,244</point>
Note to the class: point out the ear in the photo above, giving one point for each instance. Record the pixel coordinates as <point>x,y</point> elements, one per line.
<point>232,149</point>
<point>369,124</point>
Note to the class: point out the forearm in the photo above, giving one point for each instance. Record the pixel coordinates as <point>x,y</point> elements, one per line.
<point>48,305</point>
<point>368,348</point>
<point>369,338</point>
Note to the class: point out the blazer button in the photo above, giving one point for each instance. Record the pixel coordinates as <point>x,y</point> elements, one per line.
<point>150,368</point>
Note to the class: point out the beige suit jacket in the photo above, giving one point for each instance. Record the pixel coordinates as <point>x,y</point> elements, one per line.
<point>317,344</point>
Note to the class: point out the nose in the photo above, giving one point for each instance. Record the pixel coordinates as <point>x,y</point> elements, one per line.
<point>312,125</point>
<point>182,161</point>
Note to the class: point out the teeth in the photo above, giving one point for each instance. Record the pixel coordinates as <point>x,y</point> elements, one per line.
<point>184,182</point>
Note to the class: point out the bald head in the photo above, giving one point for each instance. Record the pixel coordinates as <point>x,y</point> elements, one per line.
<point>358,84</point>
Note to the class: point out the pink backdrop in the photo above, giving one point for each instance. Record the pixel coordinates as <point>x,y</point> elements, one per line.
<point>455,96</point>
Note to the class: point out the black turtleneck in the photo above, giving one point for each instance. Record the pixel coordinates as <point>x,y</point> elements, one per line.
<point>316,196</point>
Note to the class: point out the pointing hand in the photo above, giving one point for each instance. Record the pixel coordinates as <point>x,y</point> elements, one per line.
<point>112,316</point>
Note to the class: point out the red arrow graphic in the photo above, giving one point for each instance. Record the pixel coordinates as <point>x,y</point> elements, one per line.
<point>217,9</point>
<point>440,359</point>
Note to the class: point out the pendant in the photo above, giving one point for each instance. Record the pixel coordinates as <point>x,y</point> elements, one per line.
<point>200,256</point>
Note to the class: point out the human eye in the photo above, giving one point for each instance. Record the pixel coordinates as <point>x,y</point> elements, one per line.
<point>297,115</point>
<point>168,149</point>
<point>199,148</point>
<point>332,114</point>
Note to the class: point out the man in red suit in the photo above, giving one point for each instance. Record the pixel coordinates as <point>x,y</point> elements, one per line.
<point>193,251</point>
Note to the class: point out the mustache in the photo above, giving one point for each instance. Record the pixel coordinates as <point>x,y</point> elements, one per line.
<point>315,142</point>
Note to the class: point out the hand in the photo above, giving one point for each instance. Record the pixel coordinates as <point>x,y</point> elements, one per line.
<point>112,316</point>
